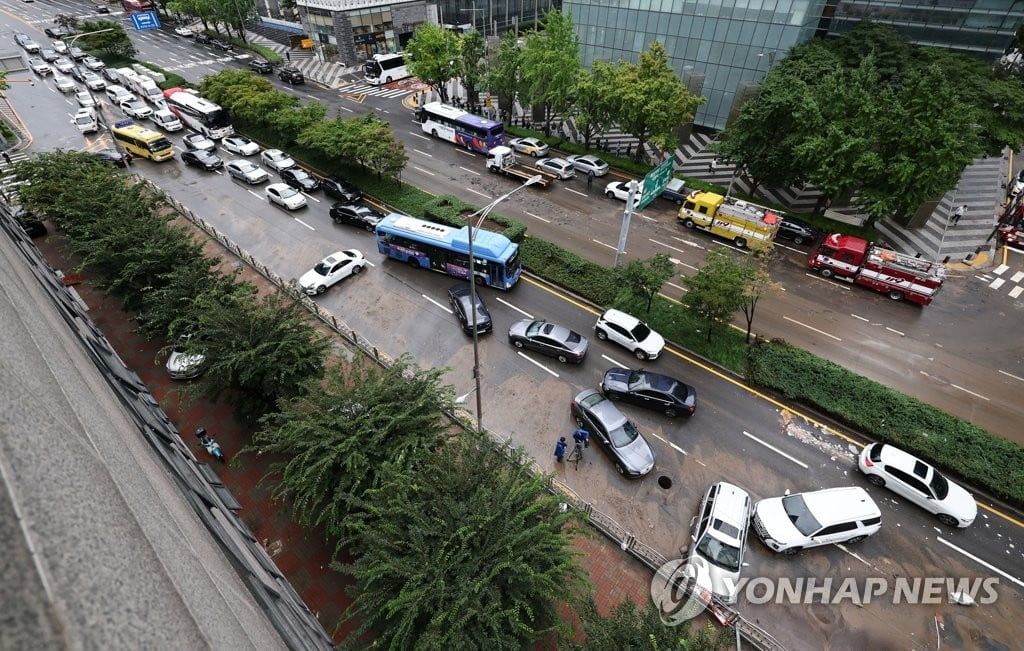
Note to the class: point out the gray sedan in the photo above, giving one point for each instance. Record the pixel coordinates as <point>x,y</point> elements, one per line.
<point>548,339</point>
<point>619,437</point>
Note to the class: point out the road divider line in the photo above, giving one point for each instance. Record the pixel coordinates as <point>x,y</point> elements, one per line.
<point>466,169</point>
<point>480,193</point>
<point>309,196</point>
<point>418,135</point>
<point>536,363</point>
<point>650,219</point>
<point>420,169</point>
<point>669,298</point>
<point>895,331</point>
<point>603,244</point>
<point>507,304</point>
<point>546,221</point>
<point>440,305</point>
<point>423,153</point>
<point>466,153</point>
<point>976,395</point>
<point>576,191</point>
<point>682,289</point>
<point>613,361</point>
<point>345,108</point>
<point>687,242</point>
<point>256,195</point>
<point>822,332</point>
<point>305,224</point>
<point>1015,377</point>
<point>1016,291</point>
<point>986,564</point>
<point>678,449</point>
<point>826,281</point>
<point>857,316</point>
<point>775,449</point>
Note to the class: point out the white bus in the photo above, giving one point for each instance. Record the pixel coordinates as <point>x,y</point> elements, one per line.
<point>386,68</point>
<point>199,114</point>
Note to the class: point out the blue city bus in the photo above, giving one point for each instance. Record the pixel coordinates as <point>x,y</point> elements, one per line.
<point>462,128</point>
<point>427,245</point>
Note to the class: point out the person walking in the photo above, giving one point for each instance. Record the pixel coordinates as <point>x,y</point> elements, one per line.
<point>712,166</point>
<point>7,158</point>
<point>560,450</point>
<point>590,180</point>
<point>581,437</point>
<point>288,55</point>
<point>958,213</point>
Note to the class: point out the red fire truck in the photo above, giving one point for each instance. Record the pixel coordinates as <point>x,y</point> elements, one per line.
<point>858,261</point>
<point>1011,228</point>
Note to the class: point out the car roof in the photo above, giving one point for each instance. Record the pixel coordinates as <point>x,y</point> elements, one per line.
<point>621,318</point>
<point>731,506</point>
<point>604,410</point>
<point>832,505</point>
<point>893,456</point>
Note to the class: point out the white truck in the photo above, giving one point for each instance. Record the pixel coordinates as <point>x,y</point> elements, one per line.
<point>147,89</point>
<point>502,160</point>
<point>125,77</point>
<point>166,120</point>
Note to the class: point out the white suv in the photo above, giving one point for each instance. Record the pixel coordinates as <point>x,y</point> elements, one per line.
<point>629,332</point>
<point>718,540</point>
<point>826,517</point>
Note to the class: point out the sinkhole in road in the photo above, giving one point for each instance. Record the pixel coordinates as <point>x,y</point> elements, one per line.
<point>664,482</point>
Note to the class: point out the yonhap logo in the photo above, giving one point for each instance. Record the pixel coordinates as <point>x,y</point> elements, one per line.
<point>676,594</point>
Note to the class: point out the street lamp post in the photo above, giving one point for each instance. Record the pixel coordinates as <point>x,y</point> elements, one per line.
<point>482,213</point>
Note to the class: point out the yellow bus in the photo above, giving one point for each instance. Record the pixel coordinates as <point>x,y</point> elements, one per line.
<point>140,141</point>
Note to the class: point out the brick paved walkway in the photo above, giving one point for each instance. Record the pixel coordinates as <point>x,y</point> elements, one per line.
<point>303,556</point>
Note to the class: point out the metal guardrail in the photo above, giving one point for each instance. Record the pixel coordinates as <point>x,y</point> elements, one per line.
<point>603,522</point>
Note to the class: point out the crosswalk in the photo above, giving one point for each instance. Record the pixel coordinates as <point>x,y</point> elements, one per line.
<point>998,279</point>
<point>356,88</point>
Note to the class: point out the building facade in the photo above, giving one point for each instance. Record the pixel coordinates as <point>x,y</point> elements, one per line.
<point>723,48</point>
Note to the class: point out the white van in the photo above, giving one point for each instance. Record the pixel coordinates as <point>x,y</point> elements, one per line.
<point>86,121</point>
<point>826,517</point>
<point>147,89</point>
<point>166,120</point>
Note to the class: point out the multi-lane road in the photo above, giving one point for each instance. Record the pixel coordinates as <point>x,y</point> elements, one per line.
<point>951,353</point>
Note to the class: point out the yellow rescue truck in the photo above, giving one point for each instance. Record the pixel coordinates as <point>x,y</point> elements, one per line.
<point>740,222</point>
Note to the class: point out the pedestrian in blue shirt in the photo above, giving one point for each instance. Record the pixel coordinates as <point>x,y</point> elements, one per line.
<point>582,437</point>
<point>560,450</point>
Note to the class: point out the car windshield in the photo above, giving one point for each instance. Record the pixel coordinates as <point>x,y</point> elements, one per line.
<point>288,192</point>
<point>798,513</point>
<point>641,332</point>
<point>637,380</point>
<point>246,167</point>
<point>534,328</point>
<point>939,484</point>
<point>720,553</point>
<point>300,175</point>
<point>624,435</point>
<point>322,268</point>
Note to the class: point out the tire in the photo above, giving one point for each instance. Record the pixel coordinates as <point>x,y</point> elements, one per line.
<point>798,240</point>
<point>321,289</point>
<point>856,539</point>
<point>679,202</point>
<point>579,421</point>
<point>670,412</point>
<point>601,334</point>
<point>640,355</point>
<point>433,132</point>
<point>517,343</point>
<point>620,468</point>
<point>356,271</point>
<point>478,280</point>
<point>388,80</point>
<point>614,397</point>
<point>610,194</point>
<point>947,520</point>
<point>369,228</point>
<point>688,223</point>
<point>563,359</point>
<point>741,242</point>
<point>791,551</point>
<point>876,480</point>
<point>826,272</point>
<point>413,262</point>
<point>896,295</point>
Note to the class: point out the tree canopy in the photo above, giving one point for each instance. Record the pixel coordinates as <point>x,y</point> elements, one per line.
<point>434,57</point>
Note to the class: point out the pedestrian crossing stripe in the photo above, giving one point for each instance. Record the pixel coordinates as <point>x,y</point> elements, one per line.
<point>366,89</point>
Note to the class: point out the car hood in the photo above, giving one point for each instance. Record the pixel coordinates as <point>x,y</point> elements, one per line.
<point>311,279</point>
<point>716,580</point>
<point>960,504</point>
<point>180,362</point>
<point>518,328</point>
<point>777,525</point>
<point>637,456</point>
<point>616,379</point>
<point>653,344</point>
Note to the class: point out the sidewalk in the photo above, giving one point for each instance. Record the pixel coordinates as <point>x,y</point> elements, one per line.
<point>302,555</point>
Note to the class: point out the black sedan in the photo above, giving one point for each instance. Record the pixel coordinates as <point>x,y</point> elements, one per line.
<point>355,214</point>
<point>57,32</point>
<point>111,156</point>
<point>548,339</point>
<point>222,45</point>
<point>300,179</point>
<point>652,390</point>
<point>341,190</point>
<point>617,436</point>
<point>462,304</point>
<point>797,231</point>
<point>102,9</point>
<point>202,158</point>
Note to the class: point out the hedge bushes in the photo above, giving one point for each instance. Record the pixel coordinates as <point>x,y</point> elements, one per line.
<point>954,444</point>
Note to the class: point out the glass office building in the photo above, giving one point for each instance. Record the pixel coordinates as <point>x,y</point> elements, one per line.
<point>731,44</point>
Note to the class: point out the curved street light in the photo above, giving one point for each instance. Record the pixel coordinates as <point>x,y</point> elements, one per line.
<point>482,213</point>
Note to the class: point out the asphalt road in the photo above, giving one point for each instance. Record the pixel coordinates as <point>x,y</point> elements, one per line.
<point>735,434</point>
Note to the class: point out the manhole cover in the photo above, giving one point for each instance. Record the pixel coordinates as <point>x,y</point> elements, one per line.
<point>664,482</point>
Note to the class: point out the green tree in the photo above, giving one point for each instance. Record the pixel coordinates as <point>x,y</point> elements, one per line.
<point>645,278</point>
<point>633,628</point>
<point>463,548</point>
<point>434,57</point>
<point>593,104</point>
<point>258,350</point>
<point>67,21</point>
<point>651,101</point>
<point>716,291</point>
<point>505,77</point>
<point>290,122</point>
<point>170,305</point>
<point>551,65</point>
<point>759,281</point>
<point>338,434</point>
<point>366,140</point>
<point>114,42</point>
<point>472,65</point>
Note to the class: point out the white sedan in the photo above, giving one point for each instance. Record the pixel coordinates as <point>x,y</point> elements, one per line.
<point>240,145</point>
<point>332,269</point>
<point>560,167</point>
<point>84,99</point>
<point>620,190</point>
<point>285,196</point>
<point>64,65</point>
<point>247,171</point>
<point>277,160</point>
<point>533,146</point>
<point>587,163</point>
<point>183,31</point>
<point>136,109</point>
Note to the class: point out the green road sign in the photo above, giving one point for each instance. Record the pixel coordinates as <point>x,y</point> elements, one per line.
<point>655,182</point>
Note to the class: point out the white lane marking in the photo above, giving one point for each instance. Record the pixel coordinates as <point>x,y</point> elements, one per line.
<point>345,108</point>
<point>546,221</point>
<point>466,169</point>
<point>423,153</point>
<point>536,363</point>
<point>669,443</point>
<point>576,191</point>
<point>1015,377</point>
<point>256,195</point>
<point>312,97</point>
<point>1015,278</point>
<point>895,331</point>
<point>369,263</point>
<point>774,449</point>
<point>603,244</point>
<point>443,307</point>
<point>976,395</point>
<point>1015,292</point>
<point>305,224</point>
<point>480,193</point>
<point>997,283</point>
<point>1000,270</point>
<point>507,304</point>
<point>614,361</point>
<point>669,246</point>
<point>978,560</point>
<point>789,248</point>
<point>857,316</point>
<point>821,332</point>
<point>826,280</point>
<point>469,153</point>
<point>416,167</point>
<point>683,289</point>
<point>686,242</point>
<point>701,463</point>
<point>418,135</point>
<point>309,196</point>
<point>650,219</point>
